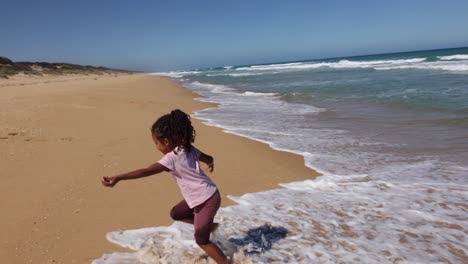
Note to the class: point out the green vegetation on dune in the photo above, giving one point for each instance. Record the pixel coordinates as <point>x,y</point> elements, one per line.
<point>10,68</point>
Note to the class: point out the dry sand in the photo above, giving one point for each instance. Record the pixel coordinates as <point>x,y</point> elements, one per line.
<point>58,137</point>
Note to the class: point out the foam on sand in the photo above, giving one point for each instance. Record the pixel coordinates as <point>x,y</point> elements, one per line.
<point>333,219</point>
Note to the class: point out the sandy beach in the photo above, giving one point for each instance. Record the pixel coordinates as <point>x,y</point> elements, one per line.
<point>58,137</point>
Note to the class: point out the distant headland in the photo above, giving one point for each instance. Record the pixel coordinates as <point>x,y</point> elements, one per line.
<point>9,68</point>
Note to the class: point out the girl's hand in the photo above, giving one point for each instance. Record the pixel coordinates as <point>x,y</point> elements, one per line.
<point>211,166</point>
<point>109,181</point>
<point>208,160</point>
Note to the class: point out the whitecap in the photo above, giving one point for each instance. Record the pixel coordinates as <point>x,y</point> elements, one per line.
<point>454,57</point>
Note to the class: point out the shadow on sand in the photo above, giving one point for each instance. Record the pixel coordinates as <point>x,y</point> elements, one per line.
<point>260,239</point>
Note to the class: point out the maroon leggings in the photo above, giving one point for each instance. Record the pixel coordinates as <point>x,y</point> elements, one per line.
<point>202,216</point>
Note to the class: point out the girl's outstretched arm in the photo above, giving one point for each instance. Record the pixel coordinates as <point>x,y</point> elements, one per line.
<point>140,173</point>
<point>208,160</point>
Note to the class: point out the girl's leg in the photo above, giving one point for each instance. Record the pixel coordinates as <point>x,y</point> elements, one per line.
<point>182,212</point>
<point>203,222</point>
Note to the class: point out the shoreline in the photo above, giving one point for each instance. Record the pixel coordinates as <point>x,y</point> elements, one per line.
<point>60,137</point>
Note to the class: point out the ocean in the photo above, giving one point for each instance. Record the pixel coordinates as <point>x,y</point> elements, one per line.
<point>388,132</point>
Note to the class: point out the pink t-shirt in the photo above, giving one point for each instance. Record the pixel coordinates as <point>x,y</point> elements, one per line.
<point>195,186</point>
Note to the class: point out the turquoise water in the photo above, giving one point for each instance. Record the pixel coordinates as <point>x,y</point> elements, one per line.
<point>427,79</point>
<point>416,103</point>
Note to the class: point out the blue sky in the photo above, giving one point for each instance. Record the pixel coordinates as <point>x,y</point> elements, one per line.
<point>168,35</point>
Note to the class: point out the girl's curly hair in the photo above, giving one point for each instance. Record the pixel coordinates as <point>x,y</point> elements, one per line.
<point>175,127</point>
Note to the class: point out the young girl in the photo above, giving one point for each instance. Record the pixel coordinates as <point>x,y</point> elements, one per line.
<point>173,135</point>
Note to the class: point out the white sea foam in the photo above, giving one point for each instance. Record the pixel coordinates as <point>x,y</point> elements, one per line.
<point>259,94</point>
<point>454,57</point>
<point>175,74</point>
<point>448,63</point>
<point>334,219</point>
<point>287,66</point>
<point>340,64</point>
<point>271,66</point>
<point>454,63</point>
<point>455,66</point>
<point>365,64</point>
<point>243,74</point>
<point>216,88</point>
